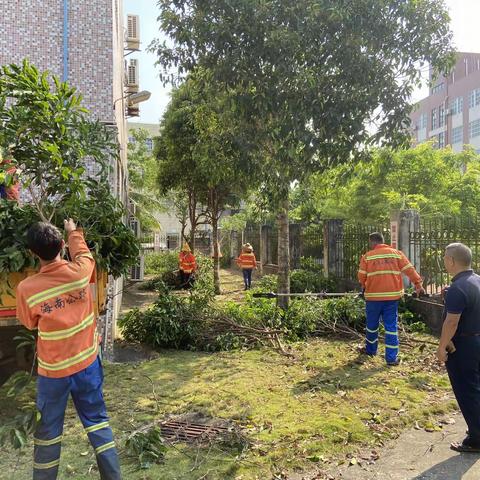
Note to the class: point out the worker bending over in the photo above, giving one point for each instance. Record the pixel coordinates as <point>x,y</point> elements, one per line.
<point>187,265</point>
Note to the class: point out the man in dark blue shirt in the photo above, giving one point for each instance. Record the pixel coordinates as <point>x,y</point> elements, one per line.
<point>459,344</point>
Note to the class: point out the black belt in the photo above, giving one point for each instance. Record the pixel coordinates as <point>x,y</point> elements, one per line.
<point>468,335</point>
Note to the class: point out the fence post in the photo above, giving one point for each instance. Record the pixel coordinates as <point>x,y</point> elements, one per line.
<point>402,224</point>
<point>333,248</point>
<point>295,245</point>
<point>266,248</point>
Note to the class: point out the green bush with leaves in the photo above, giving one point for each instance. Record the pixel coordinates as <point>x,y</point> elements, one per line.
<point>160,262</point>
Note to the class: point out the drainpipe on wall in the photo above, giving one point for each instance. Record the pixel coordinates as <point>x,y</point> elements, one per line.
<point>65,40</point>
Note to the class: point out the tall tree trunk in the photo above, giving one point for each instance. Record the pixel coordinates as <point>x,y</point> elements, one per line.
<point>261,253</point>
<point>192,215</point>
<point>283,252</point>
<point>216,259</point>
<point>192,238</point>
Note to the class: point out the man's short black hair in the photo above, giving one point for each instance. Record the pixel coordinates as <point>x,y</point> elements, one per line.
<point>44,240</point>
<point>376,237</point>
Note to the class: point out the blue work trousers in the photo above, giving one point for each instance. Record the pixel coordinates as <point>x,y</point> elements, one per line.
<point>52,395</point>
<point>247,277</point>
<point>463,367</point>
<point>388,310</point>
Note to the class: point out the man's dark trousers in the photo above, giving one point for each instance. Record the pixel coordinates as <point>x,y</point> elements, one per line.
<point>463,367</point>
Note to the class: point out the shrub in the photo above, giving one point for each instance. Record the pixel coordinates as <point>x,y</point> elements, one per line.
<point>302,281</point>
<point>161,262</point>
<point>171,322</point>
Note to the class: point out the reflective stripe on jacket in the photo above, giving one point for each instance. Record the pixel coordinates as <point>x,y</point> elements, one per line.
<point>187,262</point>
<point>58,302</point>
<point>380,273</point>
<point>247,261</point>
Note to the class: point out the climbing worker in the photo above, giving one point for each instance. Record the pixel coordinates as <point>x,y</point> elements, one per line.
<point>58,302</point>
<point>459,346</point>
<point>10,190</point>
<point>380,275</point>
<point>187,265</point>
<point>247,262</point>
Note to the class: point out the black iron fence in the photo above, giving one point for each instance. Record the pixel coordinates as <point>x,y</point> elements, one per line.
<point>351,243</point>
<point>427,247</point>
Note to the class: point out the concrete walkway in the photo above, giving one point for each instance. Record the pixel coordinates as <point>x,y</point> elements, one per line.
<point>420,455</point>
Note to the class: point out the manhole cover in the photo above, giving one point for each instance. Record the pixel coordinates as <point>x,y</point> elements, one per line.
<point>175,430</point>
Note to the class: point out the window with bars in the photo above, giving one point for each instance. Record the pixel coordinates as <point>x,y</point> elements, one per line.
<point>437,88</point>
<point>441,116</point>
<point>441,140</point>
<point>474,98</point>
<point>457,135</point>
<point>474,128</point>
<point>457,106</point>
<point>434,119</point>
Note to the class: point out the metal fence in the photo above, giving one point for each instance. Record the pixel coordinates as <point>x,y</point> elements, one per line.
<point>312,243</point>
<point>427,247</point>
<point>160,242</point>
<point>353,242</point>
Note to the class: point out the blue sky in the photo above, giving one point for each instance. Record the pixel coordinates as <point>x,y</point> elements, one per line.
<point>465,25</point>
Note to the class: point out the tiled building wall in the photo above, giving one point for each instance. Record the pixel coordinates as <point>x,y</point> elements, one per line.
<point>33,29</point>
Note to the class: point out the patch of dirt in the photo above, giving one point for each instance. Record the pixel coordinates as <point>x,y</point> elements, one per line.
<point>133,297</point>
<point>124,352</point>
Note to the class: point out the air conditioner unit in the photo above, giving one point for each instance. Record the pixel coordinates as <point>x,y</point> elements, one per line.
<point>133,32</point>
<point>137,273</point>
<point>135,226</point>
<point>133,76</point>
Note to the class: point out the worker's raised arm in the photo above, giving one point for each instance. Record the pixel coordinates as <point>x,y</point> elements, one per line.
<point>82,259</point>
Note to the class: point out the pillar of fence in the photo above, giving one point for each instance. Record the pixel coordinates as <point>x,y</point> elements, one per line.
<point>295,245</point>
<point>333,248</point>
<point>403,224</point>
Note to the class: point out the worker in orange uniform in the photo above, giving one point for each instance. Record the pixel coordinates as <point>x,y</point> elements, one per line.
<point>187,265</point>
<point>58,302</point>
<point>380,275</point>
<point>10,190</point>
<point>247,262</point>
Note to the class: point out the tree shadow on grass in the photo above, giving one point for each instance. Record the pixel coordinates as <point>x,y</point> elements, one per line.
<point>349,376</point>
<point>454,468</point>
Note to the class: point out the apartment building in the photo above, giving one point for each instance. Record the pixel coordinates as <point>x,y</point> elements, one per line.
<point>83,42</point>
<point>450,115</point>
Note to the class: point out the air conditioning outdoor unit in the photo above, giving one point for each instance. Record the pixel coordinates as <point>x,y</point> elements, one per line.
<point>138,270</point>
<point>133,32</point>
<point>133,76</point>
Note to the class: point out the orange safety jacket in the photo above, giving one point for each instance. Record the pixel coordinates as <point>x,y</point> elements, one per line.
<point>380,273</point>
<point>187,262</point>
<point>58,302</point>
<point>247,261</point>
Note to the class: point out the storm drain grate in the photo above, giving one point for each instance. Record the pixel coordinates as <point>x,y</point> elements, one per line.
<point>175,430</point>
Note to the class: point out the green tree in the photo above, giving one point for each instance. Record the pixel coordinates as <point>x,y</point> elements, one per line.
<point>216,158</point>
<point>50,136</point>
<point>434,182</point>
<point>310,75</point>
<point>143,186</point>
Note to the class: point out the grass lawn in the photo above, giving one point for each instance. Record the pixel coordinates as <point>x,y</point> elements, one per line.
<point>299,414</point>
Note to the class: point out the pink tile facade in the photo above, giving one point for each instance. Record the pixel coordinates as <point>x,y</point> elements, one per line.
<point>33,29</point>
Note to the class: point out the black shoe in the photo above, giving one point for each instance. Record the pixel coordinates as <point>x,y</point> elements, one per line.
<point>393,364</point>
